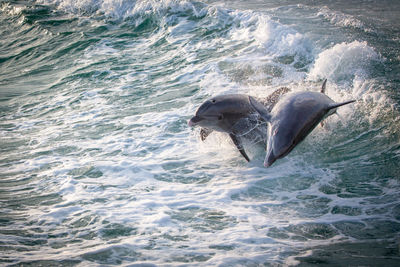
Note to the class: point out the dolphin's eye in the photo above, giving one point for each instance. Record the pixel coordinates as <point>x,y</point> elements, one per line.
<point>213,101</point>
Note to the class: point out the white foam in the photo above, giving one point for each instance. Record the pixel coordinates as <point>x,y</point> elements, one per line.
<point>273,38</point>
<point>123,9</point>
<point>349,68</point>
<point>344,61</point>
<point>342,20</point>
<point>181,195</point>
<point>11,9</point>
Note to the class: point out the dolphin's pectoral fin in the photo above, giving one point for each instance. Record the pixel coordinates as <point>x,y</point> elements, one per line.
<point>239,145</point>
<point>323,88</point>
<point>204,132</point>
<point>264,113</point>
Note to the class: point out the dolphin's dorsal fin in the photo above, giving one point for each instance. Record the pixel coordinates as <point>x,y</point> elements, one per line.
<point>336,105</point>
<point>323,88</point>
<point>264,113</point>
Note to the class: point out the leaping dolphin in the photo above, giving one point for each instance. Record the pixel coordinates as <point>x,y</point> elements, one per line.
<point>235,114</point>
<point>232,114</point>
<point>293,118</point>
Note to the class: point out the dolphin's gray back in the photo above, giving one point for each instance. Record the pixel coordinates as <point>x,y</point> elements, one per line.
<point>300,111</point>
<point>234,103</point>
<point>308,99</point>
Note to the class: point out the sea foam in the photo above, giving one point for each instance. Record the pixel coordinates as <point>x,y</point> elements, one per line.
<point>344,61</point>
<point>107,171</point>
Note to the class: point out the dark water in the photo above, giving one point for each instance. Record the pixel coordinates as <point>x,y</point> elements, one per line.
<point>98,166</point>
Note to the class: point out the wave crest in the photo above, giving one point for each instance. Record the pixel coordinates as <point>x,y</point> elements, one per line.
<point>123,9</point>
<point>345,61</point>
<point>342,20</point>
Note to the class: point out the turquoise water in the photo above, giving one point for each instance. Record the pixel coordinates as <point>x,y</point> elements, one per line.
<point>98,166</point>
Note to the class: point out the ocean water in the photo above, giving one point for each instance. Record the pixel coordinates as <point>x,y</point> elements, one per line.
<point>98,166</point>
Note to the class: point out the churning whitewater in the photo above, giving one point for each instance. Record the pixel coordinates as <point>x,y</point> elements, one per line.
<point>98,166</point>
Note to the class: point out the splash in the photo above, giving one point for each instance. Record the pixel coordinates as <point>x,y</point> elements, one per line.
<point>118,10</point>
<point>344,62</point>
<point>99,164</point>
<point>342,20</point>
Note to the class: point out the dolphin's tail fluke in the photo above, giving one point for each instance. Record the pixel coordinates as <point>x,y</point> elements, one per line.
<point>336,105</point>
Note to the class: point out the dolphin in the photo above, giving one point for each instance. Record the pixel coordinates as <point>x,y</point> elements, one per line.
<point>232,114</point>
<point>268,102</point>
<point>293,118</point>
<point>235,114</point>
